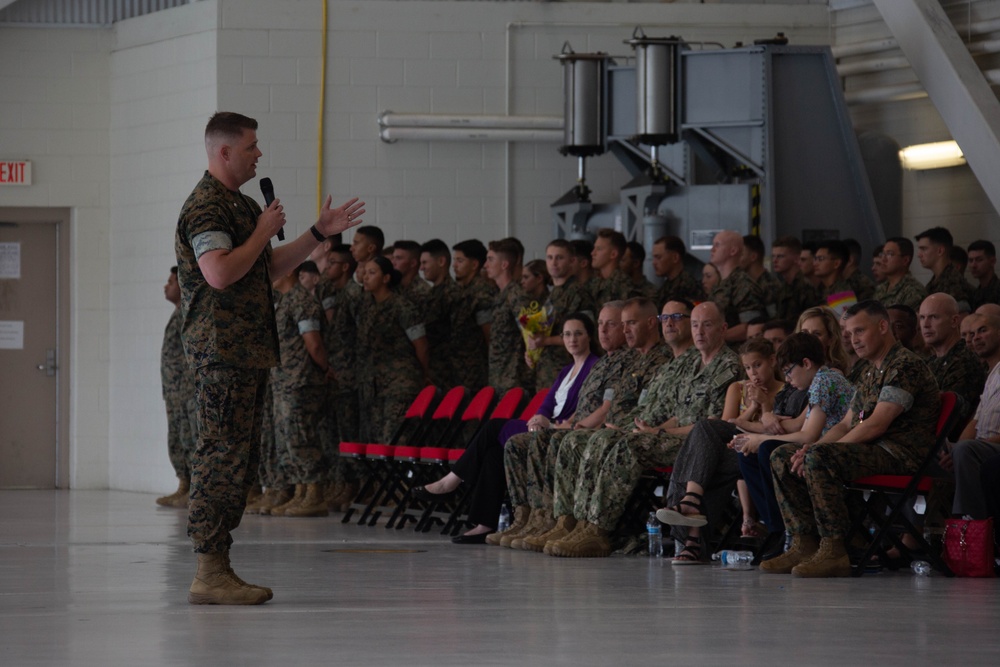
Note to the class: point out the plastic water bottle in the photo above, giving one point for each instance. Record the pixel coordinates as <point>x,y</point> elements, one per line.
<point>655,537</point>
<point>921,568</point>
<point>735,560</point>
<point>503,523</point>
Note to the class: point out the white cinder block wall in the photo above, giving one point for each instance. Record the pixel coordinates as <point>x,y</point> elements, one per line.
<point>54,111</point>
<point>163,89</point>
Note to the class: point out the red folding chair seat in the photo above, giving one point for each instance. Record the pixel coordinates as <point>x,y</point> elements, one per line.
<point>892,494</point>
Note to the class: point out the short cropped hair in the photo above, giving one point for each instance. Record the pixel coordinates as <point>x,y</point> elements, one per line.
<point>790,242</point>
<point>412,247</point>
<point>373,234</point>
<point>228,125</point>
<point>870,307</point>
<point>507,249</point>
<point>905,245</point>
<point>983,246</point>
<point>561,243</point>
<point>838,249</point>
<point>754,244</point>
<point>617,239</point>
<point>672,244</point>
<point>473,249</point>
<point>638,252</point>
<point>437,248</point>
<point>344,252</point>
<point>937,235</point>
<point>582,248</point>
<point>645,306</point>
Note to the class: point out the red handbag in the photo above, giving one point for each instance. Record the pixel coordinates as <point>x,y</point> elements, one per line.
<point>968,547</point>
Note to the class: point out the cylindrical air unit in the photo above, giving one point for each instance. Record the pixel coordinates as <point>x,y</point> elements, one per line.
<point>585,129</point>
<point>657,62</point>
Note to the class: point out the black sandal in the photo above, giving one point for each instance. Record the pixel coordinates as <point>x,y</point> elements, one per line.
<point>690,555</point>
<point>673,516</point>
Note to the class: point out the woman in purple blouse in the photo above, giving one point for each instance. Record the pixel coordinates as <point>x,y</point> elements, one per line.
<point>482,462</point>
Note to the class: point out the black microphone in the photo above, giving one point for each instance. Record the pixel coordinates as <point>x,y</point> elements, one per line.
<point>267,189</point>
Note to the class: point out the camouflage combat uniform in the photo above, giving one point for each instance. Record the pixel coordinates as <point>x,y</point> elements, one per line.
<point>528,457</point>
<point>962,372</point>
<point>564,300</point>
<point>691,393</point>
<point>389,373</point>
<point>506,352</point>
<point>437,321</point>
<point>684,286</point>
<point>817,502</point>
<point>862,286</point>
<point>299,387</point>
<point>471,309</point>
<point>615,288</point>
<point>341,305</point>
<point>908,292</point>
<point>273,467</point>
<point>231,341</point>
<point>990,293</point>
<point>794,298</point>
<point>644,289</point>
<point>178,394</point>
<point>573,448</point>
<point>838,296</point>
<point>739,298</point>
<point>770,288</point>
<point>951,282</point>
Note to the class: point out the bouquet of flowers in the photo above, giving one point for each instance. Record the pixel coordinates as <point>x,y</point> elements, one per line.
<point>534,320</point>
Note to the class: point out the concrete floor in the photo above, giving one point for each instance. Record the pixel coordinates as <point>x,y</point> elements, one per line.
<point>100,578</point>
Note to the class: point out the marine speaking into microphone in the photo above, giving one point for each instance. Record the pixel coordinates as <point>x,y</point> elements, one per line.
<point>267,189</point>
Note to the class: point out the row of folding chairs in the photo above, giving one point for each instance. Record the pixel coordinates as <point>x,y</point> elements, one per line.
<point>432,436</point>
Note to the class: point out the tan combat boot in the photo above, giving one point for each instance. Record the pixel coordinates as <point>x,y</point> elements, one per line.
<point>330,492</point>
<point>344,498</point>
<point>545,530</point>
<point>180,495</point>
<point>312,503</point>
<point>229,567</point>
<point>273,498</point>
<point>300,492</point>
<point>803,547</point>
<point>567,533</point>
<point>831,560</point>
<point>254,494</point>
<point>541,521</point>
<point>591,541</point>
<point>215,584</point>
<point>522,516</point>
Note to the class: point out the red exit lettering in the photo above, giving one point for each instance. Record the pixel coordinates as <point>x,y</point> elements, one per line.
<point>15,172</point>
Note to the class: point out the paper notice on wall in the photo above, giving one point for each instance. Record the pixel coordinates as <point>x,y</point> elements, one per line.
<point>11,335</point>
<point>10,260</point>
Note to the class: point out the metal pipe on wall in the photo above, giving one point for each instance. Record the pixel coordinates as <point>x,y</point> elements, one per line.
<point>391,119</point>
<point>390,134</point>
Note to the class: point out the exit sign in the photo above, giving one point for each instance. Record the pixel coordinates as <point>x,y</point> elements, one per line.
<point>15,172</point>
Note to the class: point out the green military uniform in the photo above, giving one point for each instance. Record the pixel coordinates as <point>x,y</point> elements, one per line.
<point>273,467</point>
<point>690,393</point>
<point>951,282</point>
<point>862,286</point>
<point>816,503</point>
<point>794,298</point>
<point>299,387</point>
<point>389,373</point>
<point>644,289</point>
<point>962,372</point>
<point>230,340</point>
<point>438,324</point>
<point>684,286</point>
<point>988,293</point>
<point>506,352</point>
<point>528,457</point>
<point>838,296</point>
<point>177,380</point>
<point>739,298</point>
<point>471,309</point>
<point>340,334</point>
<point>615,288</point>
<point>908,292</point>
<point>625,396</point>
<point>563,300</point>
<point>770,287</point>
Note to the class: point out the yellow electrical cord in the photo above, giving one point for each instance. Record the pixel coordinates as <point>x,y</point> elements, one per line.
<point>322,101</point>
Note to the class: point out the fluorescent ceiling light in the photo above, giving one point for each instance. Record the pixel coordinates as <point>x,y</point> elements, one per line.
<point>932,156</point>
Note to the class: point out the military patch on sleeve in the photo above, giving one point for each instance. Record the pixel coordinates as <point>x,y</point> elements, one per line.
<point>484,317</point>
<point>208,241</point>
<point>416,331</point>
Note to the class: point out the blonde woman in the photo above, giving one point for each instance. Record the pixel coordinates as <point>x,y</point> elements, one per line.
<point>822,322</point>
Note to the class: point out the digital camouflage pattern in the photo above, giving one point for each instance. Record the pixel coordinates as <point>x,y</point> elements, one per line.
<point>816,503</point>
<point>226,459</point>
<point>506,351</point>
<point>564,300</point>
<point>232,326</point>
<point>389,373</point>
<point>770,287</point>
<point>962,372</point>
<point>526,456</point>
<point>862,286</point>
<point>990,293</point>
<point>684,286</point>
<point>297,415</point>
<point>438,325</point>
<point>739,298</point>
<point>297,313</point>
<point>644,289</point>
<point>951,282</point>
<point>615,288</point>
<point>908,292</point>
<point>795,297</point>
<point>177,381</point>
<point>273,463</point>
<point>471,308</point>
<point>638,371</point>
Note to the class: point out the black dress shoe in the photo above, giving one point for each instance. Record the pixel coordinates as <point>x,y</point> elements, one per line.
<point>470,539</point>
<point>421,493</point>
